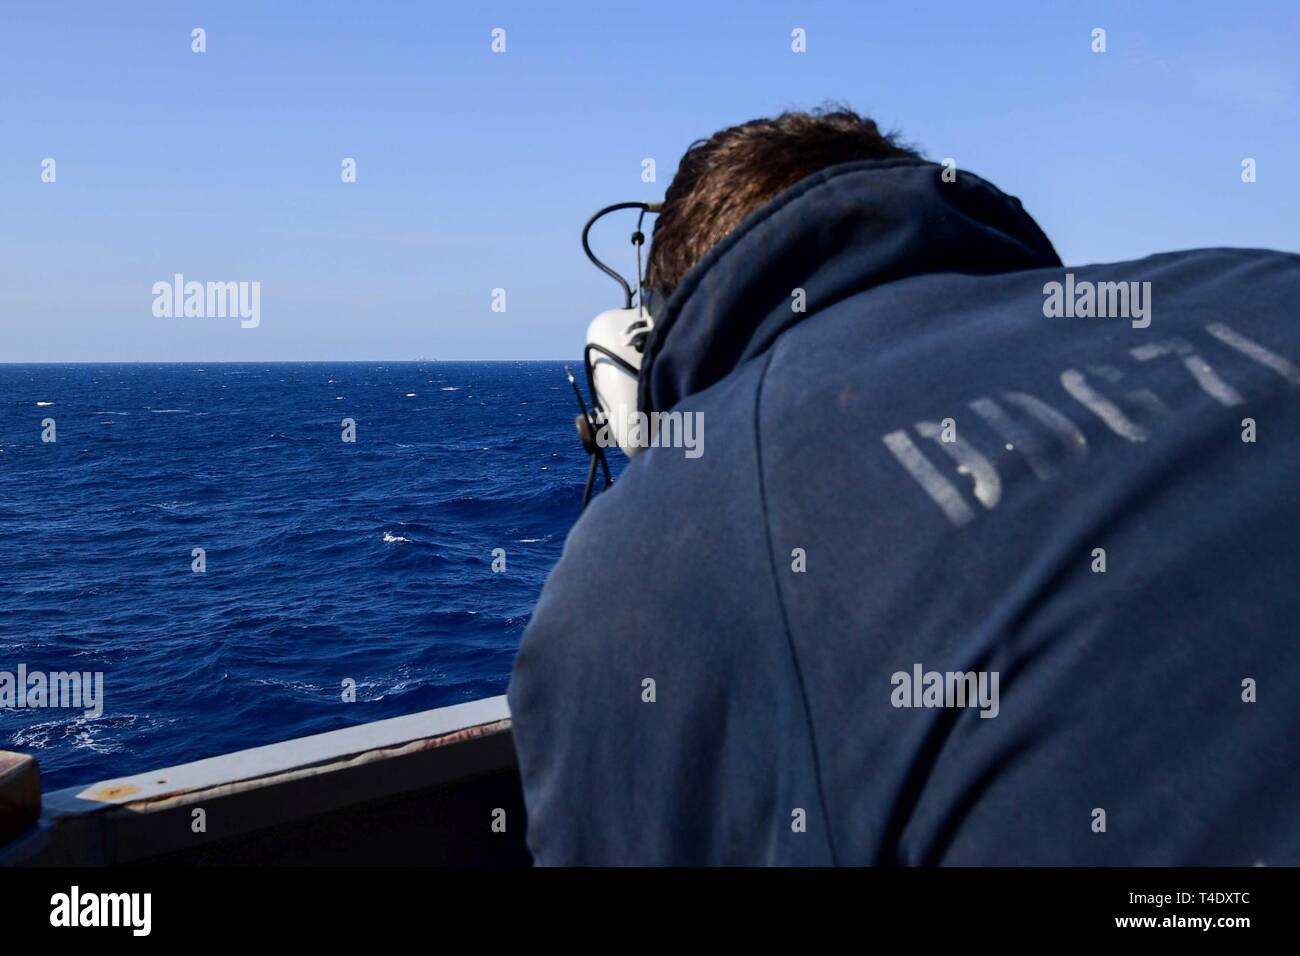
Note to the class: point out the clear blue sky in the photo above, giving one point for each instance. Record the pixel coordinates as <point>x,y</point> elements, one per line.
<point>477,170</point>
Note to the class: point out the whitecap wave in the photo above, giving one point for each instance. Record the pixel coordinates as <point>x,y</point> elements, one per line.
<point>299,686</point>
<point>81,732</point>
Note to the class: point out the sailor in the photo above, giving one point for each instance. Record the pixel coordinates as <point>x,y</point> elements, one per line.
<point>911,466</point>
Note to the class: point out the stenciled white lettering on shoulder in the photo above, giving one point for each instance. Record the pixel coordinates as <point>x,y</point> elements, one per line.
<point>1048,439</point>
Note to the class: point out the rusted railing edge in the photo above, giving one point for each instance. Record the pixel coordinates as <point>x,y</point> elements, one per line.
<point>264,766</point>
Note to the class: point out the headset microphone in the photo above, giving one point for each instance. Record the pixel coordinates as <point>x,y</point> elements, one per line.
<point>616,341</point>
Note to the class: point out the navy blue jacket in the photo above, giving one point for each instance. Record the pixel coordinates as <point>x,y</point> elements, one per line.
<point>944,464</point>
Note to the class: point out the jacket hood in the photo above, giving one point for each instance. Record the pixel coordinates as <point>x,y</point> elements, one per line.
<point>841,231</point>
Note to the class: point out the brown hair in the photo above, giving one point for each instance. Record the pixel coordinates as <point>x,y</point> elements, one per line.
<point>722,179</point>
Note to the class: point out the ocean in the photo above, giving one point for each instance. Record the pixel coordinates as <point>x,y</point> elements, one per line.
<point>324,561</point>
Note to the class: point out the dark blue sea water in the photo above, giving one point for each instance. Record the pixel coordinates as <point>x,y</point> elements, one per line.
<point>325,560</point>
